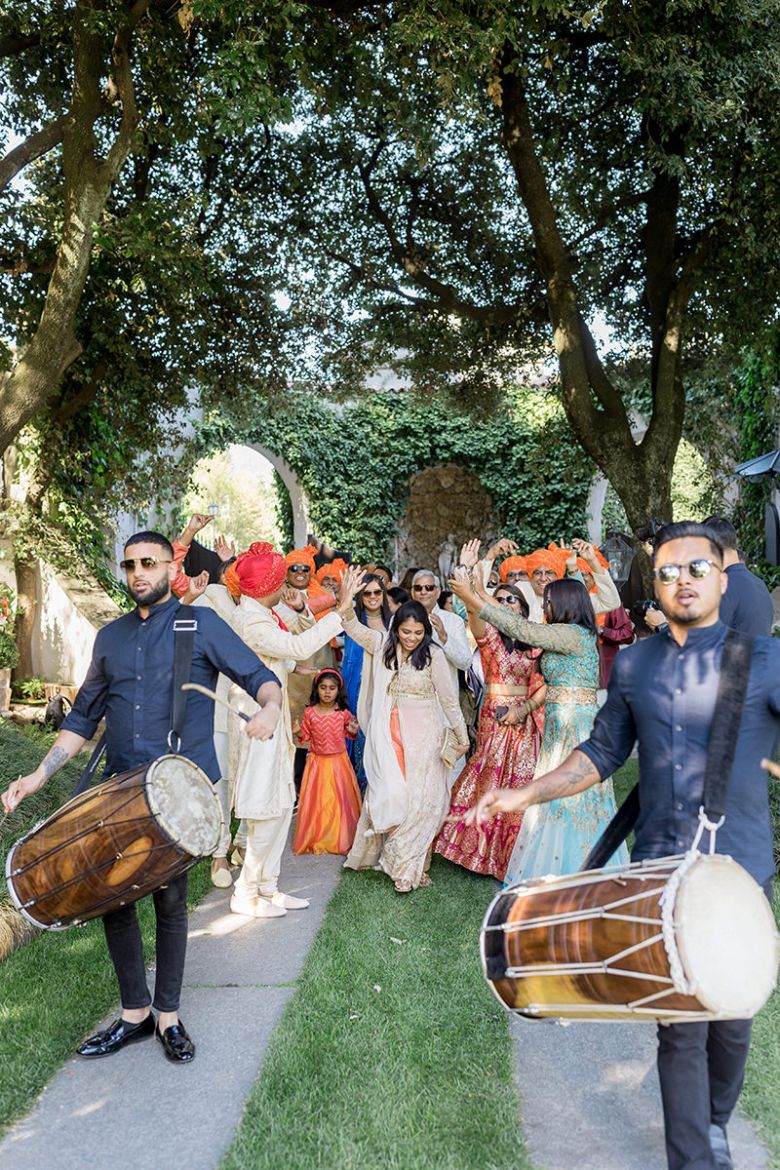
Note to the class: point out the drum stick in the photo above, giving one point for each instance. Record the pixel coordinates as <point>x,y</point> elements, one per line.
<point>6,815</point>
<point>215,699</point>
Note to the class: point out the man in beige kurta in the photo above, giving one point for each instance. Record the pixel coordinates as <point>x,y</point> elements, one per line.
<point>264,790</point>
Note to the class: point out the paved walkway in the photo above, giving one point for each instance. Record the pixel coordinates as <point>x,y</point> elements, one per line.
<point>590,1098</point>
<point>589,1092</point>
<point>136,1109</point>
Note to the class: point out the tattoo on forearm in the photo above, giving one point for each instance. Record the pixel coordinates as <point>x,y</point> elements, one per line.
<point>53,761</point>
<point>569,777</point>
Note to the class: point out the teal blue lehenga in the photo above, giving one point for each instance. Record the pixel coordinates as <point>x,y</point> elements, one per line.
<point>556,838</point>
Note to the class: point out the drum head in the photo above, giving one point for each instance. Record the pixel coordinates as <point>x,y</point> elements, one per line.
<point>726,937</point>
<point>184,804</point>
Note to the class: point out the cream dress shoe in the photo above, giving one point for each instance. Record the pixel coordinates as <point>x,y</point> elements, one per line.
<point>288,901</point>
<point>256,907</point>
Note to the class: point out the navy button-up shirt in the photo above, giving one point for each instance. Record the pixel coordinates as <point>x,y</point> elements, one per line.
<point>747,604</point>
<point>130,681</point>
<point>663,695</point>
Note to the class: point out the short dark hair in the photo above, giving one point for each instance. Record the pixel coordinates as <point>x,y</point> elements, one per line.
<point>398,594</point>
<point>682,528</point>
<point>150,538</point>
<point>384,568</point>
<point>724,531</point>
<point>569,603</point>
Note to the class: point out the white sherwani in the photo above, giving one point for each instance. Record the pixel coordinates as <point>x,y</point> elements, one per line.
<point>264,786</point>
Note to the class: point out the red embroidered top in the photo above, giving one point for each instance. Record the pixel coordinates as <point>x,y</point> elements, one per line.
<point>325,732</point>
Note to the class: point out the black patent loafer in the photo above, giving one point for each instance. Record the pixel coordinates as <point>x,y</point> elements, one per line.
<point>176,1043</point>
<point>116,1036</point>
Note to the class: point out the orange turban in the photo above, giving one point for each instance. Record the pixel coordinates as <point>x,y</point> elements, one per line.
<point>302,556</point>
<point>260,570</point>
<point>512,564</point>
<point>547,558</point>
<point>334,568</point>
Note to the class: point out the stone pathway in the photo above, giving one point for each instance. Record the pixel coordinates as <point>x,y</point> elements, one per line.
<point>590,1098</point>
<point>136,1109</point>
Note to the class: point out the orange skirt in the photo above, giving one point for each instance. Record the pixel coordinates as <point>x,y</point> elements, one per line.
<point>328,806</point>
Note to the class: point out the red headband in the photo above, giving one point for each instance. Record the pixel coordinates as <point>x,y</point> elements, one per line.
<point>328,670</point>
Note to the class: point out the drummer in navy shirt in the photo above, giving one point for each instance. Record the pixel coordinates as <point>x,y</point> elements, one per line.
<point>130,681</point>
<point>662,695</point>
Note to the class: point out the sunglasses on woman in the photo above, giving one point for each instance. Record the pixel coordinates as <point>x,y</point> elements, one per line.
<point>372,592</point>
<point>507,599</point>
<point>698,569</point>
<point>142,563</point>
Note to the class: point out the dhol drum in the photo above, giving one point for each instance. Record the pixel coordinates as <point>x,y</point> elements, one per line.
<point>114,843</point>
<point>681,938</point>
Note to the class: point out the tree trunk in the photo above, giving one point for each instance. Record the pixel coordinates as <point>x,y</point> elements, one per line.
<point>88,182</point>
<point>27,603</point>
<point>641,473</point>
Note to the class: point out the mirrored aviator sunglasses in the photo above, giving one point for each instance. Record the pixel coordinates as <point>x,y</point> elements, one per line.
<point>142,563</point>
<point>668,574</point>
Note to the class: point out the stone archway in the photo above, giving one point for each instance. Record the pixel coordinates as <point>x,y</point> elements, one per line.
<point>298,501</point>
<point>442,500</point>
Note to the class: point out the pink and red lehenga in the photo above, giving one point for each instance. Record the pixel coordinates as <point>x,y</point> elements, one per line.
<point>505,757</point>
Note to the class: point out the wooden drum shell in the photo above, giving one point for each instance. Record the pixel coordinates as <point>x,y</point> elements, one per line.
<point>604,944</point>
<point>99,851</point>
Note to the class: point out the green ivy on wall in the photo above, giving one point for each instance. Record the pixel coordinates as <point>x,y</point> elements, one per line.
<point>355,461</point>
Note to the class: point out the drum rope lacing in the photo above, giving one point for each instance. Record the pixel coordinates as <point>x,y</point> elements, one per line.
<point>669,899</point>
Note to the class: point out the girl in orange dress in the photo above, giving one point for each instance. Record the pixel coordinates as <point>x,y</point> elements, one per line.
<point>329,804</point>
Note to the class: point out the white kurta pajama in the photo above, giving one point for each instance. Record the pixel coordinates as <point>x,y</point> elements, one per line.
<point>216,597</point>
<point>264,791</point>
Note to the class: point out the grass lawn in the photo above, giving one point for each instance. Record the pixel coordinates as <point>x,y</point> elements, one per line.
<point>393,1053</point>
<point>55,988</point>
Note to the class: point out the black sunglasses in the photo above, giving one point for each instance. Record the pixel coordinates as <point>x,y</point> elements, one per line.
<point>424,588</point>
<point>142,562</point>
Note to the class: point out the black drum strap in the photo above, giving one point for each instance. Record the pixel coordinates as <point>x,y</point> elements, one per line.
<point>88,775</point>
<point>721,749</point>
<point>184,630</point>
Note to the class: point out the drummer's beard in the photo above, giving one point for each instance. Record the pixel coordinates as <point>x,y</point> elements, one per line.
<point>151,595</point>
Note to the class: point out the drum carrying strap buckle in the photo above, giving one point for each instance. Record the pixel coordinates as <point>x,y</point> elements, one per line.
<point>708,826</point>
<point>184,630</point>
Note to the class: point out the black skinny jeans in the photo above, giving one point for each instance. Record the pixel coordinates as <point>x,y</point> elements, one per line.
<point>123,937</point>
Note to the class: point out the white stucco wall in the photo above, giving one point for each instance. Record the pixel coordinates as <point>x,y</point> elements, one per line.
<point>69,614</point>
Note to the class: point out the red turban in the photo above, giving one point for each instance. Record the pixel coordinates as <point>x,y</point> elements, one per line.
<point>260,570</point>
<point>511,565</point>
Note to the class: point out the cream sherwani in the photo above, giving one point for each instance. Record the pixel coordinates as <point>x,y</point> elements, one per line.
<point>264,790</point>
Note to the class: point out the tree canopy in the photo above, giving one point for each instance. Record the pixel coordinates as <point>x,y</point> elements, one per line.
<point>204,196</point>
